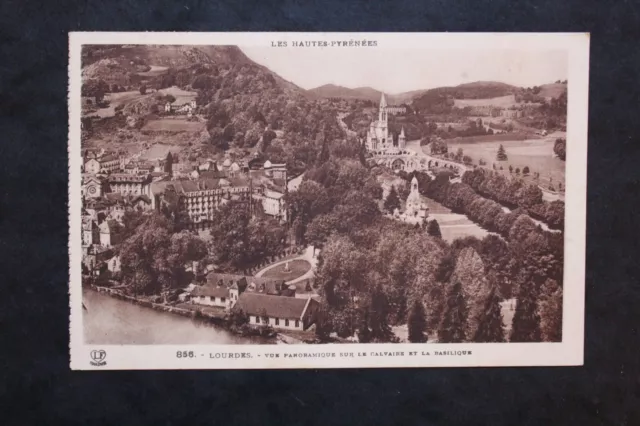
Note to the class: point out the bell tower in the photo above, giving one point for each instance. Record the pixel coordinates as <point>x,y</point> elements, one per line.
<point>382,113</point>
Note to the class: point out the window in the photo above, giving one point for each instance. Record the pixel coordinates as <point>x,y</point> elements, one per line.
<point>222,299</point>
<point>257,320</point>
<point>277,321</point>
<point>297,323</point>
<point>286,323</point>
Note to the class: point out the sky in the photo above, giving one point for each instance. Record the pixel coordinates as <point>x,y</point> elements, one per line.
<point>401,70</point>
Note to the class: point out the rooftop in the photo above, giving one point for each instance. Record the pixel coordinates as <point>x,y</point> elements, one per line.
<point>210,290</point>
<point>273,306</point>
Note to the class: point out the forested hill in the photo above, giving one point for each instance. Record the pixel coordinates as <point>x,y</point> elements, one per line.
<point>334,91</point>
<point>128,64</point>
<point>244,104</point>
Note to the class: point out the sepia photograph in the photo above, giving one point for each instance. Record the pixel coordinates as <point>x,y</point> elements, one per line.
<point>298,192</point>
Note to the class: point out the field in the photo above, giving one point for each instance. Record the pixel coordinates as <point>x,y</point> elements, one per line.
<point>173,125</point>
<point>115,99</point>
<point>159,151</point>
<point>553,90</point>
<point>501,101</point>
<point>502,137</point>
<point>182,96</point>
<point>297,268</point>
<point>537,154</point>
<point>154,71</point>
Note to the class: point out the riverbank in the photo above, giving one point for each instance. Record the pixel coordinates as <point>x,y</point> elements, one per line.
<point>209,316</point>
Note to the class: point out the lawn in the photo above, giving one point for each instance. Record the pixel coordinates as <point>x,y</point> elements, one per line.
<point>297,268</point>
<point>155,71</point>
<point>159,151</point>
<point>182,96</point>
<point>115,99</point>
<point>537,154</point>
<point>501,101</point>
<point>173,125</point>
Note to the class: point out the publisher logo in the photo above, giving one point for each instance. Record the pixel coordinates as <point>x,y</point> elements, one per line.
<point>98,357</point>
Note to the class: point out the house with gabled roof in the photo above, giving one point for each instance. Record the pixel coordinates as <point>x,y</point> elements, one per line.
<point>287,313</point>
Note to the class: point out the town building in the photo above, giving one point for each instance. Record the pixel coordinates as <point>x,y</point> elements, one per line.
<point>106,163</point>
<point>273,204</point>
<point>223,290</point>
<point>95,259</point>
<point>90,232</point>
<point>415,207</point>
<point>208,295</point>
<point>110,232</point>
<point>184,108</point>
<point>287,313</point>
<point>379,136</point>
<point>484,111</point>
<point>93,186</point>
<point>129,184</point>
<point>141,203</point>
<point>114,264</point>
<point>199,199</point>
<point>512,113</point>
<point>396,109</point>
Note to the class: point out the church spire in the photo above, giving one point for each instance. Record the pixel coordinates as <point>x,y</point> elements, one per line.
<point>383,101</point>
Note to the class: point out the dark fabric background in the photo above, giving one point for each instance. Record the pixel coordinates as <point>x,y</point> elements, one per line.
<point>36,386</point>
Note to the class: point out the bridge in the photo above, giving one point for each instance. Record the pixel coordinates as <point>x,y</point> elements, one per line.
<point>409,160</point>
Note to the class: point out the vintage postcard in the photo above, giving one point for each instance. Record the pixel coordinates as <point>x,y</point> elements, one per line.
<point>326,200</point>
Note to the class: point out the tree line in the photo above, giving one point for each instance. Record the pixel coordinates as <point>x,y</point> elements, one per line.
<point>515,193</point>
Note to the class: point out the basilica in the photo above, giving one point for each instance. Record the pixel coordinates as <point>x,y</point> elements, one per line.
<point>379,136</point>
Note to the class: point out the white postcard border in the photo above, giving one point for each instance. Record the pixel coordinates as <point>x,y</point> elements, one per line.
<point>142,357</point>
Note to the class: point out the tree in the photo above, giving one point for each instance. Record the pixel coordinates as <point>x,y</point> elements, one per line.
<point>510,168</point>
<point>466,160</point>
<point>438,146</point>
<point>525,171</point>
<point>238,317</point>
<point>392,201</point>
<point>491,328</point>
<point>143,89</point>
<point>378,315</point>
<point>452,327</point>
<point>417,322</point>
<point>550,311</point>
<point>433,229</point>
<point>560,148</point>
<point>526,321</point>
<point>153,258</point>
<point>403,193</point>
<point>168,163</point>
<point>470,273</point>
<point>94,88</point>
<point>502,155</point>
<point>267,137</point>
<point>517,170</point>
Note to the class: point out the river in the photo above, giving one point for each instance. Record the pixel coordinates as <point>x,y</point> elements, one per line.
<point>111,321</point>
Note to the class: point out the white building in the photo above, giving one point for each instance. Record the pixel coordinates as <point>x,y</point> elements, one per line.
<point>274,205</point>
<point>287,313</point>
<point>379,136</point>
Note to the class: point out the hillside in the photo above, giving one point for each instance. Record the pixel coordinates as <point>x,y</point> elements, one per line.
<point>334,91</point>
<point>553,90</point>
<point>129,65</point>
<point>362,93</point>
<point>241,105</point>
<point>442,99</point>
